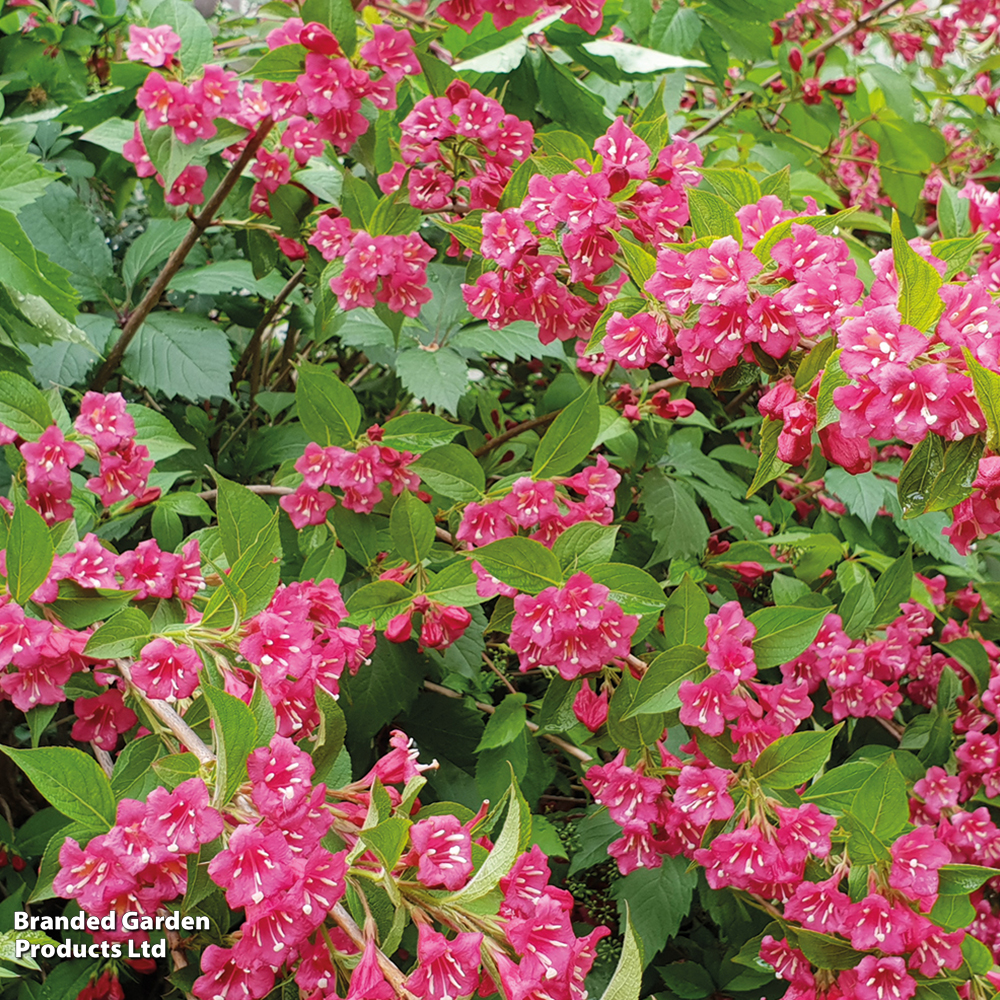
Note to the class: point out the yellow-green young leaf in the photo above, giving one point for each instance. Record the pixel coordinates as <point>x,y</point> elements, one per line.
<point>411,525</point>
<point>29,552</point>
<point>987,387</point>
<point>388,839</point>
<point>71,781</point>
<point>712,215</point>
<point>235,737</point>
<point>522,563</point>
<point>791,760</point>
<point>22,407</point>
<point>570,438</point>
<point>770,466</point>
<point>626,983</point>
<point>505,851</point>
<point>737,186</point>
<point>121,635</point>
<point>329,412</point>
<point>922,468</point>
<point>393,215</point>
<point>919,302</point>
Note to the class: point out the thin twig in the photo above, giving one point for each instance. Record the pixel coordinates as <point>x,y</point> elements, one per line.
<point>103,758</point>
<point>528,425</point>
<point>573,751</point>
<point>169,717</point>
<point>260,488</point>
<point>664,383</point>
<point>834,39</point>
<point>198,226</point>
<point>272,311</point>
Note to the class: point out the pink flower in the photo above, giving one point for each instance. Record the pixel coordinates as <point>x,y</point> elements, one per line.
<point>254,866</point>
<point>153,46</point>
<point>222,975</point>
<point>916,857</point>
<point>102,719</point>
<point>188,188</point>
<point>701,794</point>
<point>884,979</point>
<point>443,852</point>
<point>445,968</point>
<point>166,671</point>
<point>104,418</point>
<point>280,775</point>
<point>591,708</point>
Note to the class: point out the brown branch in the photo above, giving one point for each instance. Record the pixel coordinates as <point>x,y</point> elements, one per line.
<point>573,751</point>
<point>528,425</point>
<point>834,39</point>
<point>254,343</point>
<point>198,226</point>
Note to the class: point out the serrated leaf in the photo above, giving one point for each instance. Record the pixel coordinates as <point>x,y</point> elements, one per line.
<point>327,408</point>
<point>784,632</point>
<point>29,552</point>
<point>919,302</point>
<point>794,759</point>
<point>411,525</point>
<point>570,438</point>
<point>520,562</point>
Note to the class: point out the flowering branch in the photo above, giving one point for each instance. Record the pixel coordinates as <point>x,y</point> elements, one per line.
<point>198,226</point>
<point>528,425</point>
<point>393,975</point>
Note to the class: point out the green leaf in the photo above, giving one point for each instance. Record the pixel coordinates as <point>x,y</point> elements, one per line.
<point>180,354</point>
<point>833,378</point>
<point>242,516</point>
<point>156,433</point>
<point>570,438</point>
<point>879,811</point>
<point>439,377</point>
<point>60,226</point>
<point>153,247</point>
<point>176,768</point>
<point>133,768</point>
<point>327,408</point>
<point>411,524</point>
<point>657,899</point>
<point>377,603</point>
<point>954,482</point>
<point>251,581</point>
<point>971,655</point>
<point>952,213</point>
<point>794,759</point>
<point>835,791</point>
<point>420,431</point>
<point>31,272</point>
<point>451,471</point>
<point>919,302</point>
<point>394,215</point>
<point>29,552</point>
<point>738,187</point>
<point>78,607</point>
<point>632,730</point>
<point>960,253</point>
<point>120,635</point>
<point>712,215</point>
<point>857,608</point>
<point>506,724</point>
<point>188,23</point>
<point>632,588</point>
<point>71,781</point>
<point>503,59</point>
<point>25,179</point>
<point>522,563</point>
<point>893,588</point>
<point>636,60</point>
<point>770,466</point>
<point>962,879</point>
<point>22,407</point>
<point>952,913</point>
<point>567,101</point>
<point>784,632</point>
<point>641,266</point>
<point>582,545</point>
<point>338,16</point>
<point>626,983</point>
<point>235,738</point>
<point>283,64</point>
<point>330,735</point>
<point>387,840</point>
<point>673,516</point>
<point>658,689</point>
<point>922,468</point>
<point>684,615</point>
<point>826,951</point>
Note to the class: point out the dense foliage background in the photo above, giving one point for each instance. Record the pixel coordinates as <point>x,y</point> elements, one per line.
<point>501,498</point>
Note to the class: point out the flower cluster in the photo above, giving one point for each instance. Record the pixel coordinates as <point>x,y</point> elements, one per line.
<point>574,628</point>
<point>359,474</point>
<point>141,862</point>
<point>468,13</point>
<point>441,624</point>
<point>458,151</point>
<point>389,269</point>
<point>296,646</point>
